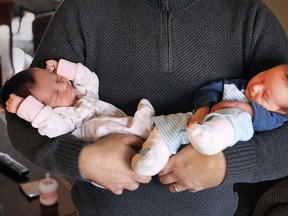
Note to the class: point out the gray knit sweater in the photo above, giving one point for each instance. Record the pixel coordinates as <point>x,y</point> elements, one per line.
<point>162,50</point>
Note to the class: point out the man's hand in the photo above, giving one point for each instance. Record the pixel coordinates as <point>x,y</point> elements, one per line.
<point>234,104</point>
<point>13,103</point>
<point>108,163</point>
<point>51,66</point>
<point>191,170</point>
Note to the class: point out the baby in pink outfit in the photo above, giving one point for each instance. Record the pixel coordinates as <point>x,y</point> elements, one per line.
<point>64,98</point>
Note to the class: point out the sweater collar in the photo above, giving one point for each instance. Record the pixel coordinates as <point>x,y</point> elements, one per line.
<point>171,5</point>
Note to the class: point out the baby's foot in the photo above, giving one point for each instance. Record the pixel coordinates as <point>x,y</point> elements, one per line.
<point>145,108</point>
<point>153,156</point>
<point>146,162</point>
<point>142,118</point>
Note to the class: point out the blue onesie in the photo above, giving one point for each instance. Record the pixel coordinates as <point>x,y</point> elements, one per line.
<point>173,127</point>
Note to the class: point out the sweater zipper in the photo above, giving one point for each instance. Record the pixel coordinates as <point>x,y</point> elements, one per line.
<point>167,38</point>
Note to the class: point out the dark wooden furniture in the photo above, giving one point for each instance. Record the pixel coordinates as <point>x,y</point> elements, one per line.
<point>36,7</point>
<point>0,77</point>
<point>14,202</point>
<point>6,19</point>
<point>39,26</point>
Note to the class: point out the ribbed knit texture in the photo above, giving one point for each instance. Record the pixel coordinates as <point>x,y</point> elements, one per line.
<point>274,202</point>
<point>126,42</point>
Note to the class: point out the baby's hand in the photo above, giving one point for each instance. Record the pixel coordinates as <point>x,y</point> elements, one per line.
<point>192,121</point>
<point>234,104</point>
<point>13,103</point>
<point>51,65</point>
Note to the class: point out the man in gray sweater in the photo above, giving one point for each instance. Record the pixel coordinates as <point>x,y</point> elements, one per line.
<point>162,50</point>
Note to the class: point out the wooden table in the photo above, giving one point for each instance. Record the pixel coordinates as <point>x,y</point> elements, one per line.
<point>14,202</point>
<point>6,19</point>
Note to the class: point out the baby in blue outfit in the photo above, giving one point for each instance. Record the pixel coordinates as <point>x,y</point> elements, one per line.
<point>240,108</point>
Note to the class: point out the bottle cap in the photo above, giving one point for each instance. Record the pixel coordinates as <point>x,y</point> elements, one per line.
<point>48,185</point>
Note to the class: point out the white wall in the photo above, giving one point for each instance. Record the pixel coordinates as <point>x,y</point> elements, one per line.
<point>280,9</point>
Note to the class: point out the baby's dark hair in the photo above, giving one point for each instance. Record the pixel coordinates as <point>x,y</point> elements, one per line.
<point>20,84</point>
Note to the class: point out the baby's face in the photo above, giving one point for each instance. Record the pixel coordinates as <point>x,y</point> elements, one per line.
<point>269,88</point>
<point>53,90</point>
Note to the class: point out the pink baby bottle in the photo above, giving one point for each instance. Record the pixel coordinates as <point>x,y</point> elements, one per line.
<point>48,191</point>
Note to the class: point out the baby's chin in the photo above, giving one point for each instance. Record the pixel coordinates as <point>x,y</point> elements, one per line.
<point>69,102</point>
<point>75,100</point>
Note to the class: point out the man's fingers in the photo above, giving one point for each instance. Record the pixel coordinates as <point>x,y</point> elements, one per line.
<point>144,179</point>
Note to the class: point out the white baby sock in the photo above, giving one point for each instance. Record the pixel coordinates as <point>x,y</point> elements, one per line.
<point>212,136</point>
<point>153,156</point>
<point>141,123</point>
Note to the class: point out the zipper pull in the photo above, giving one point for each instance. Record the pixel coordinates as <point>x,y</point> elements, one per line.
<point>165,5</point>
